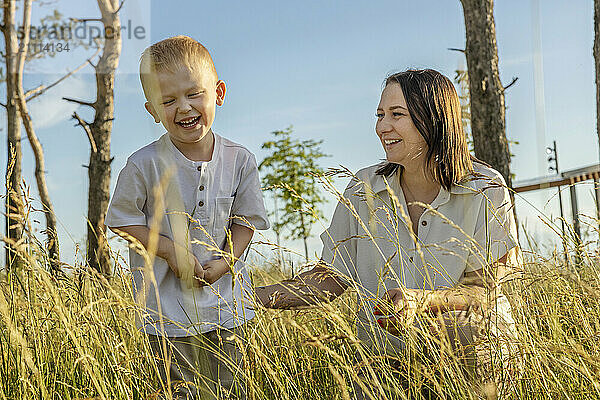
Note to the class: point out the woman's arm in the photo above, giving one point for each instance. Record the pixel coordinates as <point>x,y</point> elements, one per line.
<point>476,290</point>
<point>320,284</point>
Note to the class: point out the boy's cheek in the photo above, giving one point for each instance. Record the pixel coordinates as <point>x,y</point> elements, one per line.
<point>161,113</point>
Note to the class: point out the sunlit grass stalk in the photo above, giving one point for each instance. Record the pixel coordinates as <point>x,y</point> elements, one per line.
<point>75,337</point>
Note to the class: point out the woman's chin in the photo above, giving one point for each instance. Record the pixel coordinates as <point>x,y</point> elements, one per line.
<point>394,160</point>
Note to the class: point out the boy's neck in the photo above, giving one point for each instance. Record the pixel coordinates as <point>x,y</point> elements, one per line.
<point>199,151</point>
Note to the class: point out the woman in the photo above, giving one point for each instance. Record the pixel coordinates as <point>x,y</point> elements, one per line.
<point>429,232</point>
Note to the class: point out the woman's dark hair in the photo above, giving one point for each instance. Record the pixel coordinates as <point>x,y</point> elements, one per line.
<point>435,110</point>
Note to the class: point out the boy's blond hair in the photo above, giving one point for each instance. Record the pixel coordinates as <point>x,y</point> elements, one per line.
<point>169,55</point>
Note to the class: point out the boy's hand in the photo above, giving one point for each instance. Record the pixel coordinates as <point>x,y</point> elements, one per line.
<point>188,270</point>
<point>215,269</point>
<point>199,274</point>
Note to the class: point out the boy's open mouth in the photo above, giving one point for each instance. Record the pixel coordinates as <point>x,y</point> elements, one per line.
<point>189,122</point>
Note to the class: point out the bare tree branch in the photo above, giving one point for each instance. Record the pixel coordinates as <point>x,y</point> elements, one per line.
<point>514,80</point>
<point>119,8</point>
<point>24,45</point>
<point>88,131</point>
<point>455,49</point>
<point>83,103</point>
<point>38,91</point>
<point>86,19</point>
<point>31,92</point>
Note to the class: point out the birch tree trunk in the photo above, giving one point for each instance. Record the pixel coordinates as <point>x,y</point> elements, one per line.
<point>52,244</point>
<point>98,253</point>
<point>488,125</point>
<point>14,204</point>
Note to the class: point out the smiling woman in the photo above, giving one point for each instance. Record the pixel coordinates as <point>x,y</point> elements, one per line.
<point>424,238</point>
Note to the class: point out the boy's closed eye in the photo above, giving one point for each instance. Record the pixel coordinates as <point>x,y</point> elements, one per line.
<point>191,95</point>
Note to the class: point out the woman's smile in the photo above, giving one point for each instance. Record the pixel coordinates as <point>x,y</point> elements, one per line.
<point>390,143</point>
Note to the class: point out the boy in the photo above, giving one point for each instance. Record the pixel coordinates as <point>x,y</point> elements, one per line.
<point>193,198</point>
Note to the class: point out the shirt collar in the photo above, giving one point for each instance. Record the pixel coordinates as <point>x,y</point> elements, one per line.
<point>186,162</point>
<point>378,184</point>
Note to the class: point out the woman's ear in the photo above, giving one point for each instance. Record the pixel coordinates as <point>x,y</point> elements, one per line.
<point>221,89</point>
<point>152,112</point>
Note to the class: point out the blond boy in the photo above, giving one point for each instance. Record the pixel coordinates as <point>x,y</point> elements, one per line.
<point>194,198</point>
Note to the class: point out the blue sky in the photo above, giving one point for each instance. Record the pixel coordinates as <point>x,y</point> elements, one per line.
<point>319,66</point>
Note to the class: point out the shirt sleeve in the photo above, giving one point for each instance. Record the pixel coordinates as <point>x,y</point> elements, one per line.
<point>127,204</point>
<point>496,231</point>
<point>340,239</point>
<point>248,205</point>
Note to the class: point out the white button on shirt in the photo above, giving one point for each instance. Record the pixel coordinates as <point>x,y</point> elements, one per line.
<point>369,241</point>
<point>195,207</point>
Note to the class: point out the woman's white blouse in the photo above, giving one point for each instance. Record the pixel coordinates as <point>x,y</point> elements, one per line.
<point>371,243</point>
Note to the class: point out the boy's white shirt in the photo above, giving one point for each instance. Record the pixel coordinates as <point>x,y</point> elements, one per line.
<point>230,193</point>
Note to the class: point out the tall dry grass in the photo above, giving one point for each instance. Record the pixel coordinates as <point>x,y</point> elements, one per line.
<point>75,338</point>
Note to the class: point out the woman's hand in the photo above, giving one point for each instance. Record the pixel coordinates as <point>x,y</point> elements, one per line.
<point>399,307</point>
<point>311,287</point>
